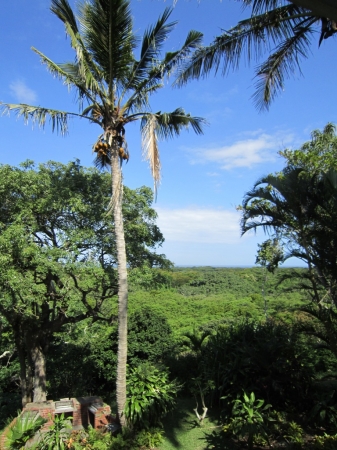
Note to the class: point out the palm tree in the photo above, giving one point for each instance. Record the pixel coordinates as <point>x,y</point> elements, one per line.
<point>283,29</point>
<point>300,207</point>
<point>113,89</point>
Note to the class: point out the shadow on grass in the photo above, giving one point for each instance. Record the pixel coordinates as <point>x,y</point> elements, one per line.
<point>182,427</point>
<point>217,441</point>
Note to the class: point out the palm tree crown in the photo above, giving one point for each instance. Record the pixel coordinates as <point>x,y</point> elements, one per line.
<point>112,86</point>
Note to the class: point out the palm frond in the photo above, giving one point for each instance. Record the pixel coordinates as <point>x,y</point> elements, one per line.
<point>282,63</point>
<point>38,115</point>
<point>139,101</point>
<point>150,147</point>
<point>153,39</point>
<point>87,69</point>
<point>173,59</point>
<point>68,73</point>
<point>108,37</point>
<point>63,11</point>
<point>103,162</point>
<point>144,86</point>
<point>248,40</point>
<point>171,124</point>
<point>260,6</point>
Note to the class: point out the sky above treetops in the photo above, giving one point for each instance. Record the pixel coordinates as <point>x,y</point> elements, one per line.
<point>204,177</point>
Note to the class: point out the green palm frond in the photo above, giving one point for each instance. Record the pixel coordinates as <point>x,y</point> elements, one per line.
<point>172,59</point>
<point>139,100</point>
<point>282,63</point>
<point>38,115</point>
<point>260,6</point>
<point>248,40</point>
<point>68,73</point>
<point>171,124</point>
<point>151,46</point>
<point>87,69</point>
<point>144,87</point>
<point>63,11</point>
<point>281,28</point>
<point>108,37</point>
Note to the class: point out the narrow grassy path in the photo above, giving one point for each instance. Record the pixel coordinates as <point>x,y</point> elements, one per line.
<point>182,429</point>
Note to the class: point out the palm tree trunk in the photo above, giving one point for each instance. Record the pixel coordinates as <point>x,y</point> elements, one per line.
<point>117,198</point>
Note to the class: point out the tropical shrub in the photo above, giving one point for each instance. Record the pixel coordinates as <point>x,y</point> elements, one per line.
<point>325,442</point>
<point>249,418</point>
<point>57,435</point>
<point>24,428</point>
<point>324,411</point>
<point>268,359</point>
<point>150,395</point>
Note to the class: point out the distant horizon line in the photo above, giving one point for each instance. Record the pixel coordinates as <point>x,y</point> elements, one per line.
<point>235,266</point>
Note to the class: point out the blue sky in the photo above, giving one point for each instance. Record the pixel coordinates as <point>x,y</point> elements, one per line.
<point>203,177</point>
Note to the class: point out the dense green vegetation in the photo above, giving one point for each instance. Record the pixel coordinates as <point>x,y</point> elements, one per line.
<point>241,352</point>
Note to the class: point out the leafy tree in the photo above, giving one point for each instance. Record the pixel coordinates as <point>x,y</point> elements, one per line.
<point>58,255</point>
<point>284,29</point>
<point>150,337</point>
<point>299,205</point>
<point>269,255</point>
<point>319,155</point>
<point>269,359</point>
<point>113,89</point>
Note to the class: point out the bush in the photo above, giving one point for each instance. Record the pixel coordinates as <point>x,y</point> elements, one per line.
<point>150,395</point>
<point>24,428</point>
<point>249,418</point>
<point>268,359</point>
<point>325,442</point>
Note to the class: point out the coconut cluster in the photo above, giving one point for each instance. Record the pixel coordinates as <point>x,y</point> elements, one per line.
<point>123,154</point>
<point>101,148</point>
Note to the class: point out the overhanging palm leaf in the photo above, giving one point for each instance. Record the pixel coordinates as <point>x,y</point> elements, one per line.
<point>281,28</point>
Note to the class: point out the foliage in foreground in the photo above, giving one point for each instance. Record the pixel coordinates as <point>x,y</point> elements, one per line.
<point>150,396</point>
<point>24,428</point>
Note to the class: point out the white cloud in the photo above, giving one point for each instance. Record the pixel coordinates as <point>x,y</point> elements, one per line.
<point>247,152</point>
<point>199,225</point>
<point>22,92</point>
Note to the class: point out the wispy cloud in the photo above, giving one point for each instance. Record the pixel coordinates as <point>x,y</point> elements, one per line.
<point>199,225</point>
<point>257,149</point>
<point>22,92</point>
<point>207,96</point>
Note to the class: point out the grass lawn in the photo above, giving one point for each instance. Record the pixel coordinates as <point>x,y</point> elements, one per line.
<point>182,429</point>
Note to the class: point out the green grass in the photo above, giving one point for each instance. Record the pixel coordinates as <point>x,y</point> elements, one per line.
<point>182,429</point>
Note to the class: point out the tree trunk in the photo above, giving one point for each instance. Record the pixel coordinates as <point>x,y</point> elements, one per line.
<point>26,391</point>
<point>117,198</point>
<point>39,361</point>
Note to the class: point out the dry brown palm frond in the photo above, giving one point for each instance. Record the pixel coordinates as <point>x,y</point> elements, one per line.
<point>151,150</point>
